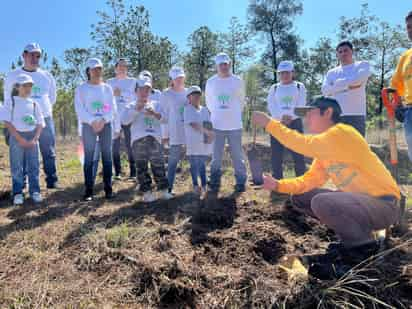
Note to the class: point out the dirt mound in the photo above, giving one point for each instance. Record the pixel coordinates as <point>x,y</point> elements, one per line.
<point>166,287</point>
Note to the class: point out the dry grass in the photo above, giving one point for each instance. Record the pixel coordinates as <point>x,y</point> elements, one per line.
<point>177,254</point>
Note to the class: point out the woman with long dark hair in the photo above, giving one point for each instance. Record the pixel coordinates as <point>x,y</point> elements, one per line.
<point>96,108</point>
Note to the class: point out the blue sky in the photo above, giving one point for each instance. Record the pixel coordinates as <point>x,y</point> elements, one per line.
<point>58,25</point>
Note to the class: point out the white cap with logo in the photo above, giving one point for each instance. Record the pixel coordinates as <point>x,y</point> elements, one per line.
<point>222,58</point>
<point>24,79</point>
<point>32,48</point>
<point>94,63</point>
<point>144,81</point>
<point>286,66</point>
<point>176,72</point>
<point>193,89</point>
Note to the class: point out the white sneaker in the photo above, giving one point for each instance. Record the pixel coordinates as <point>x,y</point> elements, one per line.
<point>149,197</point>
<point>166,195</point>
<point>36,197</point>
<point>18,199</point>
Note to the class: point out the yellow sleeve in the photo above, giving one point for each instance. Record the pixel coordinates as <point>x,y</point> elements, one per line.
<point>315,177</point>
<point>325,146</point>
<point>397,81</point>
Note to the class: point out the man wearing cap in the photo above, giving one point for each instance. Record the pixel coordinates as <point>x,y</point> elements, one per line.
<point>282,99</point>
<point>347,84</point>
<point>367,195</point>
<point>123,89</point>
<point>402,82</point>
<point>44,93</point>
<point>225,99</point>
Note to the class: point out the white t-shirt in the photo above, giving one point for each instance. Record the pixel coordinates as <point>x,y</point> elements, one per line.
<point>173,104</point>
<point>141,124</point>
<point>337,82</point>
<point>225,98</point>
<point>127,88</point>
<point>93,102</point>
<point>283,99</point>
<point>43,91</point>
<point>24,114</point>
<point>195,144</point>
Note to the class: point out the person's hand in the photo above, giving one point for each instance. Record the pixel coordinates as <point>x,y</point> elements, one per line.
<point>196,126</point>
<point>116,135</point>
<point>32,143</point>
<point>210,136</point>
<point>98,125</point>
<point>260,119</point>
<point>117,92</point>
<point>149,111</point>
<point>270,183</point>
<point>351,87</point>
<point>165,141</point>
<point>23,143</point>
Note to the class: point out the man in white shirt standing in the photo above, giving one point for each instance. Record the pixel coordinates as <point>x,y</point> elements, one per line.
<point>44,93</point>
<point>225,99</point>
<point>347,84</point>
<point>283,98</point>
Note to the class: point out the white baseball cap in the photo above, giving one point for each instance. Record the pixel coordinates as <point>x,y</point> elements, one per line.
<point>32,48</point>
<point>94,63</point>
<point>286,66</point>
<point>146,73</point>
<point>24,79</point>
<point>193,89</point>
<point>144,81</point>
<point>222,58</point>
<point>176,72</point>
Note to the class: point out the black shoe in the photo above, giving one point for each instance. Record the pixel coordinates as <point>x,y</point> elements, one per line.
<point>240,188</point>
<point>109,195</point>
<point>355,254</point>
<point>328,271</point>
<point>52,185</point>
<point>88,196</point>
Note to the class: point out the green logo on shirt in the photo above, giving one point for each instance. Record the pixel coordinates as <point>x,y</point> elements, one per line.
<point>29,120</point>
<point>181,112</point>
<point>287,102</point>
<point>97,106</point>
<point>224,100</point>
<point>148,122</point>
<point>35,91</point>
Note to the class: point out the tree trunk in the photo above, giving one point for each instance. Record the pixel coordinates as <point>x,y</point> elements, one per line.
<point>274,59</point>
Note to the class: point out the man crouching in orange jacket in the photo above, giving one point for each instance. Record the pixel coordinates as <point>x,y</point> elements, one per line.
<point>367,196</point>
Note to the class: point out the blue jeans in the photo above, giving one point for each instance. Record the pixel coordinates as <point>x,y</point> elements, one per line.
<point>234,138</point>
<point>408,130</point>
<point>198,169</point>
<point>18,156</point>
<point>175,155</point>
<point>47,143</point>
<point>358,122</point>
<point>89,141</point>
